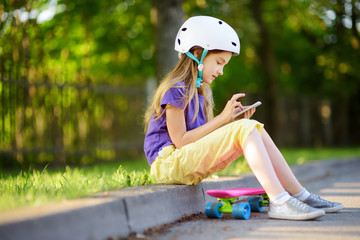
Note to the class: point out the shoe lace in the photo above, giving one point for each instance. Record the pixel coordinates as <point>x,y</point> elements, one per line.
<point>318,198</point>
<point>300,205</point>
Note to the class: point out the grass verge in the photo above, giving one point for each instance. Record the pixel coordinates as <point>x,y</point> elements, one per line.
<point>35,187</point>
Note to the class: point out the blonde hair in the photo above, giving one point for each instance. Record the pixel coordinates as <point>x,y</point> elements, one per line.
<point>185,71</point>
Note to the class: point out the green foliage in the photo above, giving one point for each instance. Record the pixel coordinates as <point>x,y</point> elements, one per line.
<point>315,54</point>
<point>71,84</point>
<point>85,41</point>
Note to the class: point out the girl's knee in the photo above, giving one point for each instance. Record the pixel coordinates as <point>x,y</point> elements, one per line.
<point>254,135</point>
<point>255,132</point>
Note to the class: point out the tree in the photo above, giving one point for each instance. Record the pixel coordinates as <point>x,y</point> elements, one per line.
<point>167,18</point>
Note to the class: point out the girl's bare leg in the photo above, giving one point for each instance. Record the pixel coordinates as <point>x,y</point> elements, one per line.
<point>260,163</point>
<point>282,169</point>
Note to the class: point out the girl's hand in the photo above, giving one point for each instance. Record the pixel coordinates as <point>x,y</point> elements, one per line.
<point>232,106</point>
<point>248,113</point>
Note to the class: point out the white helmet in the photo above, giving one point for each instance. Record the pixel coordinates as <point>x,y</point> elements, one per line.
<point>209,33</point>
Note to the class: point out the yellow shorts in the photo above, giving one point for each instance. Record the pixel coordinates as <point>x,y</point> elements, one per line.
<point>212,153</point>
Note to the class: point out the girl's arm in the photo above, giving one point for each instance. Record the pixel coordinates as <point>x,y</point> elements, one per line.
<point>175,119</point>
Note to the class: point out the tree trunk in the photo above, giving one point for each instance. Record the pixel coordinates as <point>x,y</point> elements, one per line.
<point>305,122</point>
<point>167,18</point>
<point>269,67</point>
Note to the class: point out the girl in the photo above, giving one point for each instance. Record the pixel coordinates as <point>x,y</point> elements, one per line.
<point>185,143</point>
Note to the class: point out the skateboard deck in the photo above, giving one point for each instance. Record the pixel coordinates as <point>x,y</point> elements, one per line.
<point>235,192</point>
<point>228,202</point>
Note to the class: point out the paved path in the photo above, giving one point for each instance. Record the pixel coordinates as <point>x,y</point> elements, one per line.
<point>342,184</point>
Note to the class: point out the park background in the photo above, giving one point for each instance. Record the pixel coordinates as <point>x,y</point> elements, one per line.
<point>76,76</point>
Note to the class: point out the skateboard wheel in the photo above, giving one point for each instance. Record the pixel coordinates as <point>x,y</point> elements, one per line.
<point>255,204</point>
<point>212,210</point>
<point>241,211</point>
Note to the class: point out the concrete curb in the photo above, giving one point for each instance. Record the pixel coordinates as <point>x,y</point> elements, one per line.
<point>119,213</point>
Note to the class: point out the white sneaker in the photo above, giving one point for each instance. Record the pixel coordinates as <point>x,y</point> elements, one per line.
<point>294,209</point>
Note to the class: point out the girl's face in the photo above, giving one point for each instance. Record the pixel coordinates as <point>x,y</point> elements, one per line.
<point>214,64</point>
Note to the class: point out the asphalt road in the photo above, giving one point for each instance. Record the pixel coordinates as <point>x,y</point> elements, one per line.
<point>342,185</point>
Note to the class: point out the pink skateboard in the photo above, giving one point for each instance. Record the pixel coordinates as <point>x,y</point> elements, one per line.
<point>228,202</point>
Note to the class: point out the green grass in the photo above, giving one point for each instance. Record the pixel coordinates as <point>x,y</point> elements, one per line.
<point>36,187</point>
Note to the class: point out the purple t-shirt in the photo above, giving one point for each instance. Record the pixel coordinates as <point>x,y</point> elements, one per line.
<point>157,136</point>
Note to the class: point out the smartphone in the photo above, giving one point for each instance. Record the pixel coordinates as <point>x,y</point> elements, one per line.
<point>258,103</point>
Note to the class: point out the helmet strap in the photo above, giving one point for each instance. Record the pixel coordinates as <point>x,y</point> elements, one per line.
<point>199,80</point>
